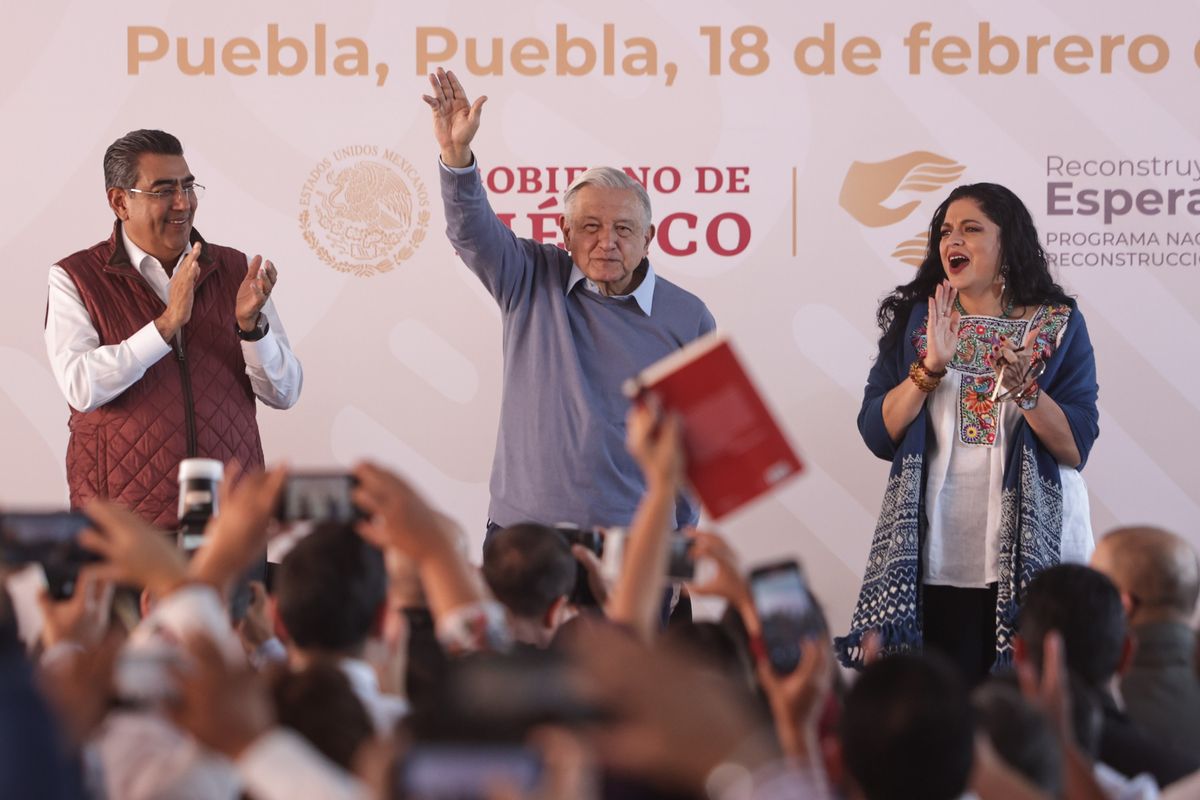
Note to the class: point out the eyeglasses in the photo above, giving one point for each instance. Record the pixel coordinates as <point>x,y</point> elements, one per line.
<point>1018,385</point>
<point>190,191</point>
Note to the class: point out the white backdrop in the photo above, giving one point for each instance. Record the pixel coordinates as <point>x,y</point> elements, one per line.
<point>818,175</point>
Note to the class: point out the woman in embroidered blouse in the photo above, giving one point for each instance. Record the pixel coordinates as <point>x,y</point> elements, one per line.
<point>984,490</point>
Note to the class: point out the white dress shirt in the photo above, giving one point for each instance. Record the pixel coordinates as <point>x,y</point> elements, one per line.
<point>90,375</point>
<point>385,710</point>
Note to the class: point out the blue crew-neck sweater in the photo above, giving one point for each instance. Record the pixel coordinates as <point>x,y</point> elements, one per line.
<point>560,450</point>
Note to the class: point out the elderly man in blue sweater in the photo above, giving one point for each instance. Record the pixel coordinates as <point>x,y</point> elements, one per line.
<point>576,325</point>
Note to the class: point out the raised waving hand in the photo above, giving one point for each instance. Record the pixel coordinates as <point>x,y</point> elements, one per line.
<point>455,119</point>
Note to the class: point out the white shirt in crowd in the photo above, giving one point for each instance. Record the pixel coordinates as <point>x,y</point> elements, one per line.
<point>385,710</point>
<point>140,755</point>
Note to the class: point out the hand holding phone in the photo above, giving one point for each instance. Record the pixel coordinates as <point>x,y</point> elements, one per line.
<point>318,497</point>
<point>49,538</point>
<point>786,611</point>
<point>681,560</point>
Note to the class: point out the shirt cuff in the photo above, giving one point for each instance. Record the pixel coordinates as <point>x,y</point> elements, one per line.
<point>262,353</point>
<point>469,168</point>
<point>147,346</point>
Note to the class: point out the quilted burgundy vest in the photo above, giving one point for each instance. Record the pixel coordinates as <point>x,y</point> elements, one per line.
<point>195,402</point>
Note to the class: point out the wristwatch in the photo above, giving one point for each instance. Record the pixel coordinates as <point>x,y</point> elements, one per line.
<point>1029,398</point>
<point>260,330</point>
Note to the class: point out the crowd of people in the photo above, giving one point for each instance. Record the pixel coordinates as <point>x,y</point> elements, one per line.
<point>375,660</point>
<point>381,663</point>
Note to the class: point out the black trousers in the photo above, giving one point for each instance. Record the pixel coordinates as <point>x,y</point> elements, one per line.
<point>960,625</point>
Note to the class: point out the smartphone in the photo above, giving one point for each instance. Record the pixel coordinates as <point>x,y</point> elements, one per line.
<point>49,538</point>
<point>466,771</point>
<point>786,611</point>
<point>318,497</point>
<point>501,697</point>
<point>581,595</point>
<point>681,562</point>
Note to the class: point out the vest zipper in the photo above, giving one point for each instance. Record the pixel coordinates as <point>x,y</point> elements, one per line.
<point>188,410</point>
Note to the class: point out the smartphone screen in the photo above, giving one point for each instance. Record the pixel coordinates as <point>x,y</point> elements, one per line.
<point>319,497</point>
<point>681,564</point>
<point>581,593</point>
<point>786,611</point>
<point>49,538</point>
<point>45,537</point>
<point>467,772</point>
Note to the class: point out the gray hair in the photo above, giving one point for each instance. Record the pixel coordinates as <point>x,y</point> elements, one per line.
<point>121,157</point>
<point>610,178</point>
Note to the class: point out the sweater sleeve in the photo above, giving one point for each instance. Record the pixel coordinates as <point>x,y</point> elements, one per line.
<point>502,261</point>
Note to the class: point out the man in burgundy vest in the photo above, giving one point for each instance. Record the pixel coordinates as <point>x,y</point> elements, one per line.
<point>161,341</point>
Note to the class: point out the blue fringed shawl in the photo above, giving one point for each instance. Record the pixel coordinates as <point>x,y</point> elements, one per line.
<point>1031,520</point>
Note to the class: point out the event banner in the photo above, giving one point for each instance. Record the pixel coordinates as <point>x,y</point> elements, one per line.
<point>794,155</point>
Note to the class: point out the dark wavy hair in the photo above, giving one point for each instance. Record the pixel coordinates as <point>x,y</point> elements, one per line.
<point>1028,282</point>
<point>121,157</point>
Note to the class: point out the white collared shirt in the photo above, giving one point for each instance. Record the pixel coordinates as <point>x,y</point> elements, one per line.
<point>643,295</point>
<point>90,374</point>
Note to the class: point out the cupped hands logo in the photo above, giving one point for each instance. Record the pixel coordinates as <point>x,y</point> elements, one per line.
<point>874,193</point>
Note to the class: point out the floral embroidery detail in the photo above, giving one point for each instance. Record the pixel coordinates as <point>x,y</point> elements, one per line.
<point>978,340</point>
<point>978,399</point>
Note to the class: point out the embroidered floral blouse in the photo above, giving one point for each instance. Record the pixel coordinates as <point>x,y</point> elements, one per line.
<point>967,449</point>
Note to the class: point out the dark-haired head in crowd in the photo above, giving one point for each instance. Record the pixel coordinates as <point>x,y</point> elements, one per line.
<point>319,703</point>
<point>1085,608</point>
<point>1020,735</point>
<point>330,594</point>
<point>906,731</point>
<point>1159,578</point>
<point>531,571</point>
<point>710,645</point>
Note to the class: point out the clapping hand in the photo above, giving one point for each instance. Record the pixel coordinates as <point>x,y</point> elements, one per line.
<point>253,292</point>
<point>181,292</point>
<point>942,328</point>
<point>1016,367</point>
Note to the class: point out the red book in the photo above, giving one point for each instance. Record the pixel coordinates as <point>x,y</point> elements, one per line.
<point>735,450</point>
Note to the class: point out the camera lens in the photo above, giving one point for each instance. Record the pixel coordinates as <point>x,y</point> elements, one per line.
<point>198,482</point>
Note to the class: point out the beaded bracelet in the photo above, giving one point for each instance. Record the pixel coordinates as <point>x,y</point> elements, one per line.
<point>925,380</point>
